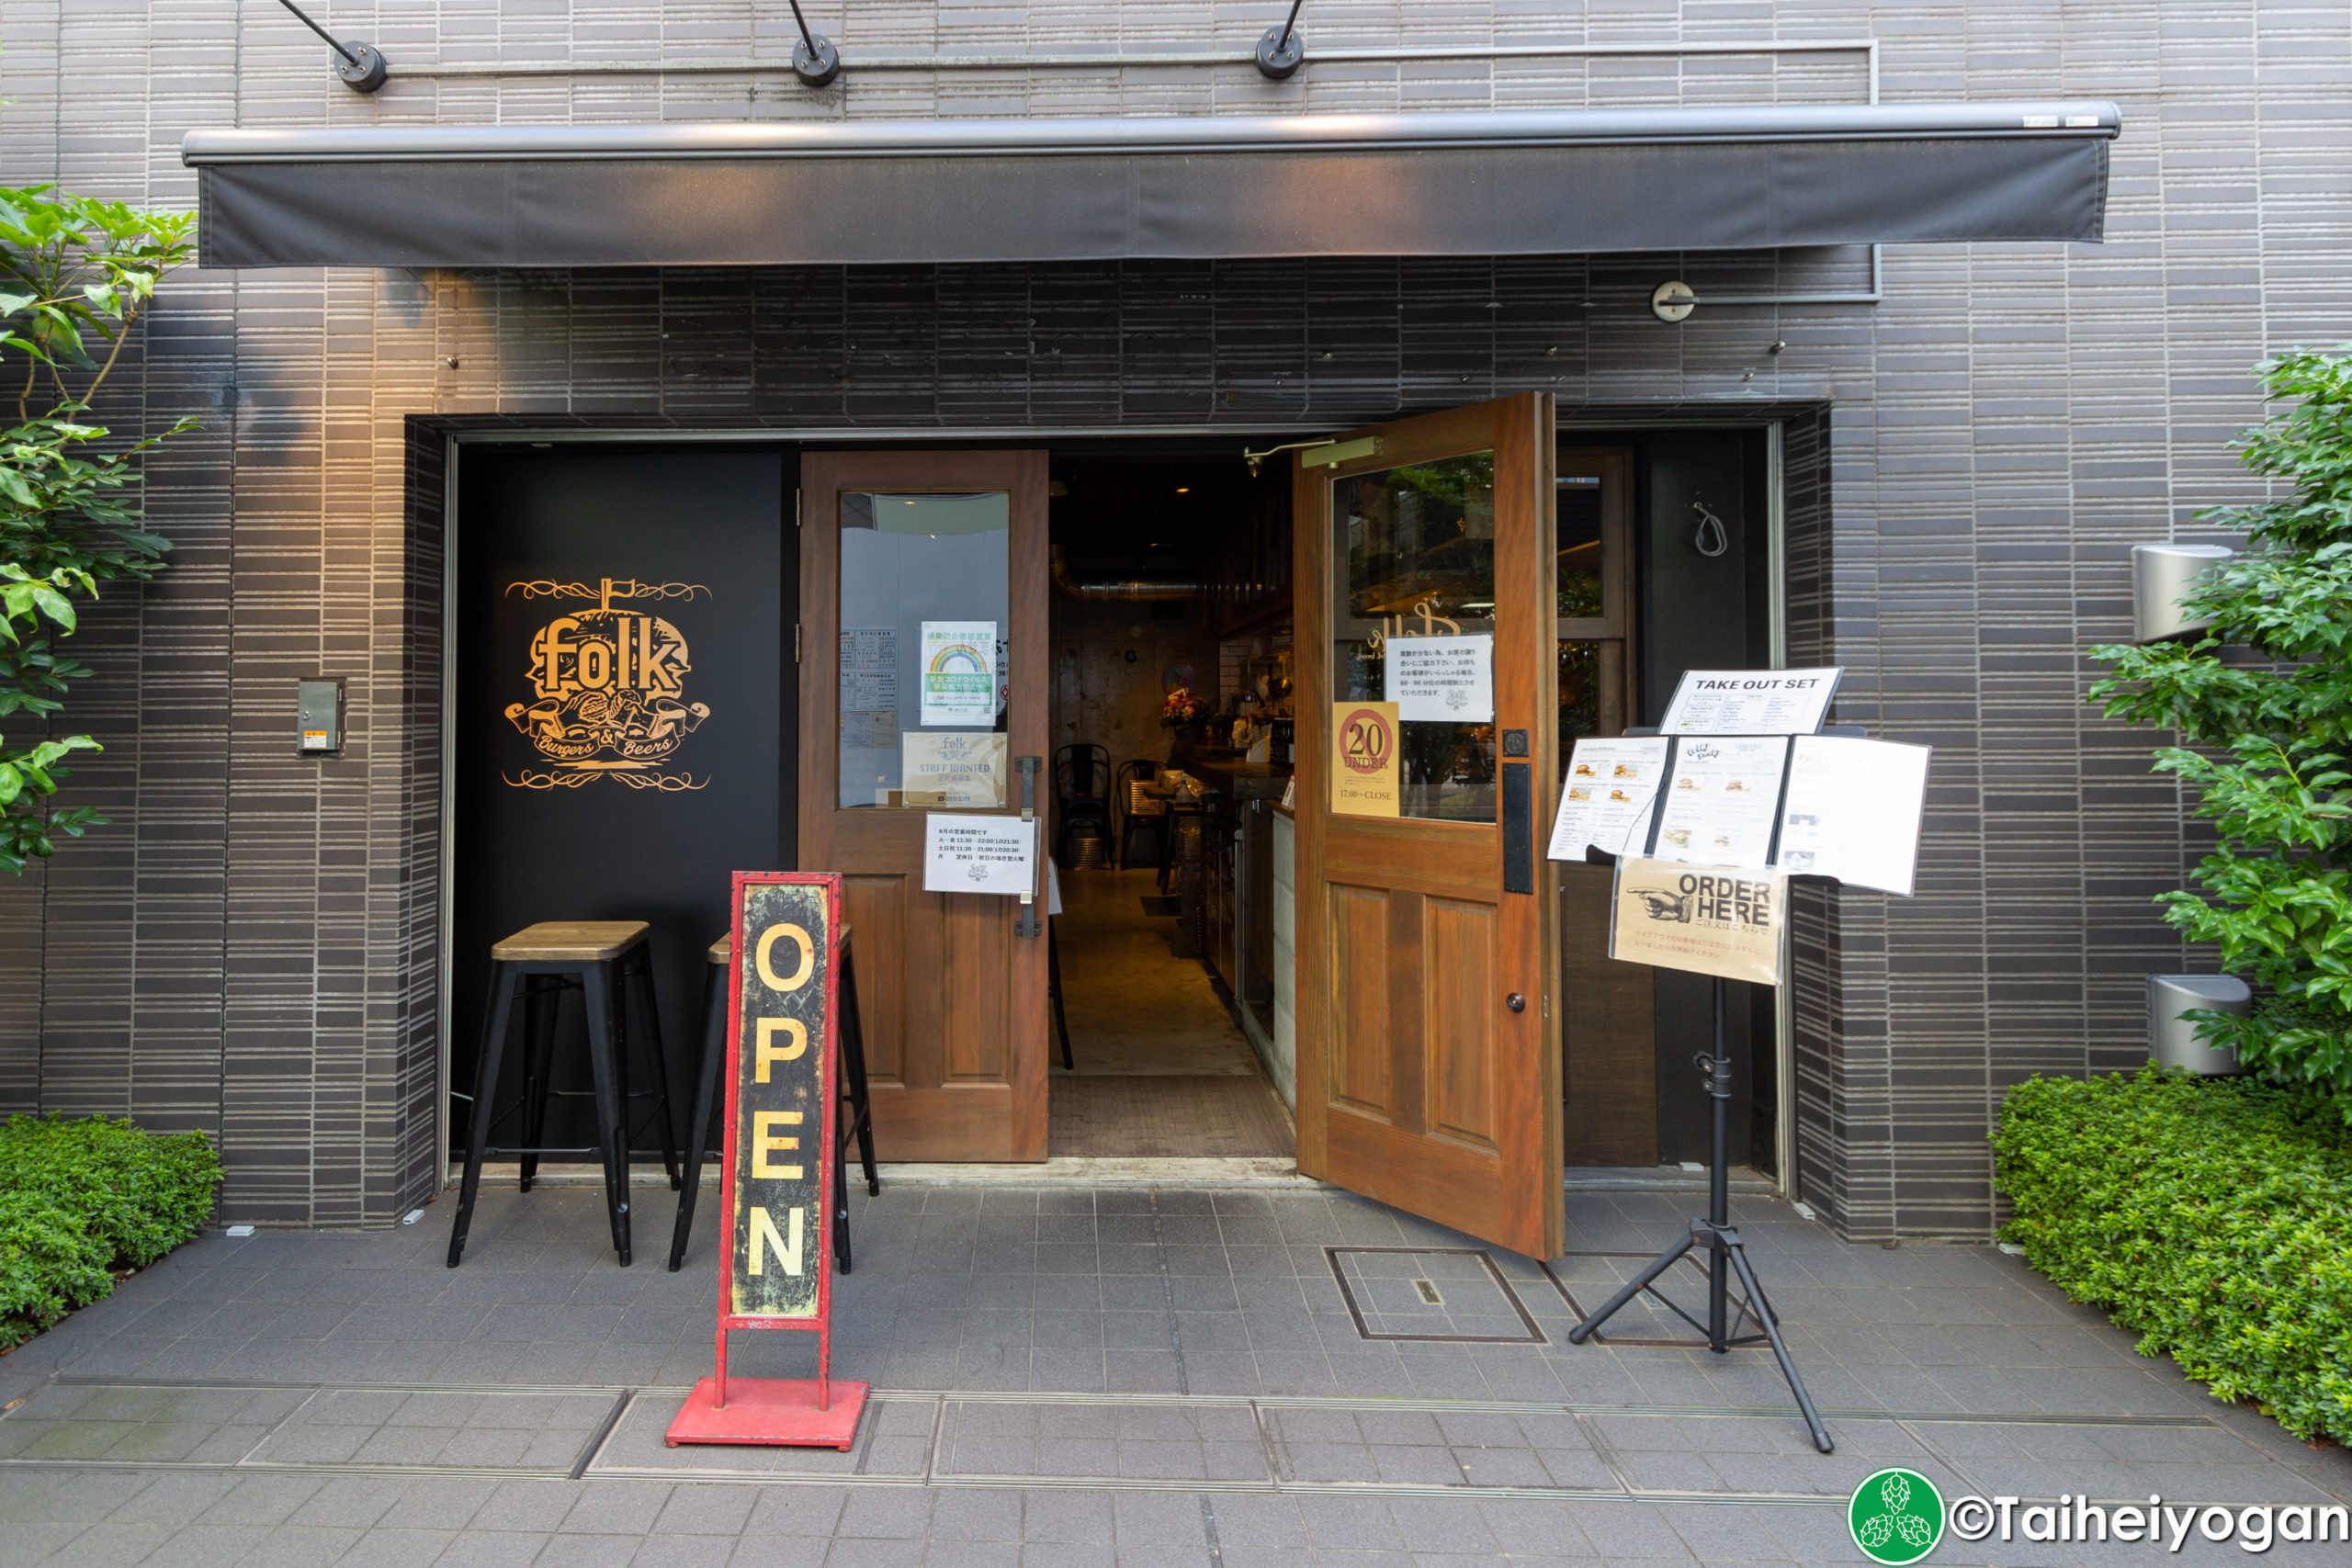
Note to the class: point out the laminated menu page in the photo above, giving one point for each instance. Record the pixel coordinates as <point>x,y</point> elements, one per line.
<point>1605,801</point>
<point>1722,800</point>
<point>1853,811</point>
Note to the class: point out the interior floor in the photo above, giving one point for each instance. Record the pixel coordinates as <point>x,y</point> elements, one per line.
<point>1162,1070</point>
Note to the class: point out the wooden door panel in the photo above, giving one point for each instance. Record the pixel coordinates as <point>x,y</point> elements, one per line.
<point>875,909</point>
<point>1360,999</point>
<point>1459,864</point>
<point>976,944</point>
<point>953,999</point>
<point>1461,1049</point>
<point>1417,1082</point>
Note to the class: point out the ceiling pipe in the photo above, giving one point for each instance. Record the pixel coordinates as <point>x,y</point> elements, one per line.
<point>1130,591</point>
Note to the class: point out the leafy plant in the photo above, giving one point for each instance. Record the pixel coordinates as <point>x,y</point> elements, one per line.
<point>2269,741</point>
<point>75,274</point>
<point>79,1200</point>
<point>2210,1216</point>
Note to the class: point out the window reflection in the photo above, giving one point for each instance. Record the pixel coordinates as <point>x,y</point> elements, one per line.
<point>926,600</point>
<point>1413,555</point>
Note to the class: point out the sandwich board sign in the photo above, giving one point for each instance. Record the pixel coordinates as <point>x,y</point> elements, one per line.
<point>776,1178</point>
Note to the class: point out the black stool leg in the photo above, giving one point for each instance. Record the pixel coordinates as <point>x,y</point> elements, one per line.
<point>1053,992</point>
<point>649,1015</point>
<point>493,1043</point>
<point>542,1001</point>
<point>853,1027</point>
<point>604,1046</point>
<point>714,1062</point>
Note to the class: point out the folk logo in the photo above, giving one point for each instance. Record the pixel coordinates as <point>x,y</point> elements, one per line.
<point>609,688</point>
<point>1896,1516</point>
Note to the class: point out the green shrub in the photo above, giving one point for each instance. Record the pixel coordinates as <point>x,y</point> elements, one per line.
<point>2213,1217</point>
<point>81,1200</point>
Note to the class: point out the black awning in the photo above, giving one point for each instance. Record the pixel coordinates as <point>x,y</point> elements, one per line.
<point>1534,181</point>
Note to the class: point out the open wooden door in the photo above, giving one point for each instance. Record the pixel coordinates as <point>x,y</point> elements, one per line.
<point>919,570</point>
<point>1426,1079</point>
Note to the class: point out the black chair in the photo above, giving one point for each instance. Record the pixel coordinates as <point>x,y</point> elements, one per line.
<point>1134,811</point>
<point>1082,794</point>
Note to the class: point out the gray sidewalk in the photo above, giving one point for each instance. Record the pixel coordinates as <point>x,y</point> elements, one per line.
<point>1072,1377</point>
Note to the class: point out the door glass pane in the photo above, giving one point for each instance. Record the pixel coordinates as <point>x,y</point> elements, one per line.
<point>1413,555</point>
<point>925,606</point>
<point>1577,513</point>
<point>1579,693</point>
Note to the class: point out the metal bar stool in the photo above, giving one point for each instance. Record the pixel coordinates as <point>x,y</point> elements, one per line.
<point>607,962</point>
<point>858,1120</point>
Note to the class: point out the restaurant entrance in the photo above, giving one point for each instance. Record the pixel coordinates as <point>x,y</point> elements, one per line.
<point>1142,643</point>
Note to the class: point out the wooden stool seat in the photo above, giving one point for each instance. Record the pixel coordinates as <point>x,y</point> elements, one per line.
<point>570,942</point>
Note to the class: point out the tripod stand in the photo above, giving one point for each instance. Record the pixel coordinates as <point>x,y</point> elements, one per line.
<point>1726,1255</point>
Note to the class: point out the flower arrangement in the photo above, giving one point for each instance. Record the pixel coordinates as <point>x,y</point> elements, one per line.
<point>1182,709</point>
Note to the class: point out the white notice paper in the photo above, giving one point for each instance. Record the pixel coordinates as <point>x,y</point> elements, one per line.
<point>978,854</point>
<point>1719,805</point>
<point>1751,701</point>
<point>959,673</point>
<point>1853,811</point>
<point>869,668</point>
<point>1605,804</point>
<point>1441,679</point>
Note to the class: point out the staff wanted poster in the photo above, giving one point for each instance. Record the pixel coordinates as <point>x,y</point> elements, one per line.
<point>978,854</point>
<point>1441,679</point>
<point>1722,800</point>
<point>1751,701</point>
<point>1853,811</point>
<point>1605,804</point>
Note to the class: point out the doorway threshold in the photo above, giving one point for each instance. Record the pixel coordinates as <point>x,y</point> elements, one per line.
<point>1256,1170</point>
<point>1085,1170</point>
<point>1662,1179</point>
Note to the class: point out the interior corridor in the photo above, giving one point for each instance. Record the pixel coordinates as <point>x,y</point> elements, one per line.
<point>1162,1070</point>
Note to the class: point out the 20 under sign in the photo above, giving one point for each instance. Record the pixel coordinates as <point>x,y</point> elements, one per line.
<point>776,1268</point>
<point>1896,1516</point>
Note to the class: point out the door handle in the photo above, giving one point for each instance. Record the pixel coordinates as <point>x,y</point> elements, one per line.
<point>1519,826</point>
<point>1516,1002</point>
<point>1029,925</point>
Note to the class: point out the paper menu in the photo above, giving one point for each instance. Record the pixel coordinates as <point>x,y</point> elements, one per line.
<point>1605,802</point>
<point>1721,800</point>
<point>1751,701</point>
<point>1441,679</point>
<point>1853,811</point>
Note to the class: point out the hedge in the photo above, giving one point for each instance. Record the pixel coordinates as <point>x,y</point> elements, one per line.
<point>2210,1216</point>
<point>83,1200</point>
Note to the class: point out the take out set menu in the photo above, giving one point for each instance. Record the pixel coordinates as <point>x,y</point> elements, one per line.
<point>1723,784</point>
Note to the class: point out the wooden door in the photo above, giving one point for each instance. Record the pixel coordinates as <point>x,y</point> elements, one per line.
<point>952,997</point>
<point>1419,1082</point>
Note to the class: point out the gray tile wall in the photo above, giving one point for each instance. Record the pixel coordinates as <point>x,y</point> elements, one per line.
<point>248,948</point>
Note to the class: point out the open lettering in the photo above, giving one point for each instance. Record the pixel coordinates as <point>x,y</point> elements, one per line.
<point>765,1240</point>
<point>764,1143</point>
<point>766,1053</point>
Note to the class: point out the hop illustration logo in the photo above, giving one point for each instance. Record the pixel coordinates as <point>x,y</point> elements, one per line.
<point>1896,1516</point>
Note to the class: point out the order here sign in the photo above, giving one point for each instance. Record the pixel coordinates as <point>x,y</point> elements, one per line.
<point>776,1270</point>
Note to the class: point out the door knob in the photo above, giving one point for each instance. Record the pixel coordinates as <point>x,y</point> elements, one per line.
<point>1516,1002</point>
